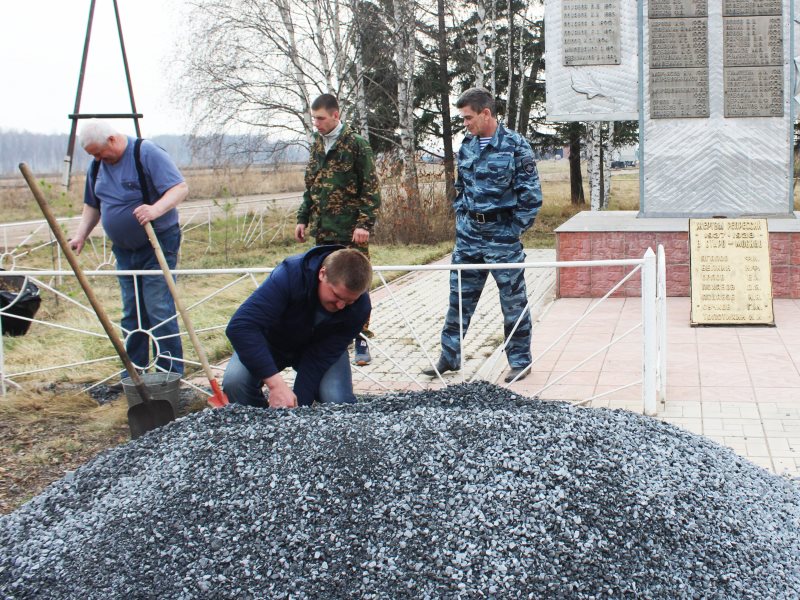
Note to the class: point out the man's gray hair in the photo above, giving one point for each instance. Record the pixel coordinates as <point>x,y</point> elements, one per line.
<point>96,133</point>
<point>477,99</point>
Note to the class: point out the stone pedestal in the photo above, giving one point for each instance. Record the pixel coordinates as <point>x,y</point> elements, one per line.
<point>620,234</point>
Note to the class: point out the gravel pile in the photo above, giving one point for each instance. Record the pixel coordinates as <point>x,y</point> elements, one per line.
<point>469,492</point>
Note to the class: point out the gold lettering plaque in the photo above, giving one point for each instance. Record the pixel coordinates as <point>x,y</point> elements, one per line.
<point>731,278</point>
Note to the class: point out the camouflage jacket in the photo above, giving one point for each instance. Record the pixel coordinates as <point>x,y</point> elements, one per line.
<point>500,177</point>
<point>342,188</point>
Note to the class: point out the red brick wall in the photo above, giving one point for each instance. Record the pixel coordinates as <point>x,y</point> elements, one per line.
<point>594,282</point>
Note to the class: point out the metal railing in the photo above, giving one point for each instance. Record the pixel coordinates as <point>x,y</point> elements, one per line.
<point>407,318</point>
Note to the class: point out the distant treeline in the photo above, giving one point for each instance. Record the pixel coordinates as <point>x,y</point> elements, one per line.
<point>45,153</point>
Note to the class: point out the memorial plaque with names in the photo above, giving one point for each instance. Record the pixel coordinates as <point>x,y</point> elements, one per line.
<point>749,8</point>
<point>591,32</point>
<point>754,92</point>
<point>678,43</point>
<point>752,41</point>
<point>731,277</point>
<point>663,9</point>
<point>678,93</point>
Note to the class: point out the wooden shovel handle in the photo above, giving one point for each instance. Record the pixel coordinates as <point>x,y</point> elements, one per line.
<point>187,321</point>
<point>144,394</point>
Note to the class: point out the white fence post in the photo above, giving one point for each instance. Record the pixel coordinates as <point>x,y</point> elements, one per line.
<point>661,319</point>
<point>649,333</point>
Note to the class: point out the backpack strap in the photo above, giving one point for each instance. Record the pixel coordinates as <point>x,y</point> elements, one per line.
<point>93,179</point>
<point>137,158</point>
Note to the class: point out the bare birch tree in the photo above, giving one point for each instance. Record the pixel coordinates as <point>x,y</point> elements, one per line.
<point>293,54</point>
<point>262,61</point>
<point>510,61</point>
<point>594,164</point>
<point>608,149</point>
<point>522,80</point>
<point>404,12</point>
<point>361,91</point>
<point>447,130</point>
<point>319,42</point>
<point>481,33</point>
<point>493,49</point>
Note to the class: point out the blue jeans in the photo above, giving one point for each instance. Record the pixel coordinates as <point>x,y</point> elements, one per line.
<point>155,303</point>
<point>242,387</point>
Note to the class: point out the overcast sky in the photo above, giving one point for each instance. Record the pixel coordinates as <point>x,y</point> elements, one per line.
<point>41,44</point>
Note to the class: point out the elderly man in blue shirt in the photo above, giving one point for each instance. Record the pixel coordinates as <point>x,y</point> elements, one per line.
<point>129,183</point>
<point>498,197</point>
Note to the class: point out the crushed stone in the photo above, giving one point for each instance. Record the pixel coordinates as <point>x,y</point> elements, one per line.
<point>467,492</point>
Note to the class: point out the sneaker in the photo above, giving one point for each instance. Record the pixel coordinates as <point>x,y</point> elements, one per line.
<point>442,366</point>
<point>515,371</point>
<point>362,356</point>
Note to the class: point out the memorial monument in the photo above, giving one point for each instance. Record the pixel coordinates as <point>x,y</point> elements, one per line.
<point>712,85</point>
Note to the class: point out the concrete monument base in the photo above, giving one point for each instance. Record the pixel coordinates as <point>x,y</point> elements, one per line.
<point>620,234</point>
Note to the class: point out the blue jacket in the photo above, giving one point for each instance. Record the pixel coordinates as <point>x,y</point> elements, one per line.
<point>274,328</point>
<point>502,176</point>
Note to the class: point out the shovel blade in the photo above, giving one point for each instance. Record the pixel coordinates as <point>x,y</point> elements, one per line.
<point>146,416</point>
<point>218,398</point>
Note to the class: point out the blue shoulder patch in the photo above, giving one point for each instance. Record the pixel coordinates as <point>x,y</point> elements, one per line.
<point>528,165</point>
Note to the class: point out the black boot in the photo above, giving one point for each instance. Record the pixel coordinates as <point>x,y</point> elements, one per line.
<point>514,373</point>
<point>442,366</point>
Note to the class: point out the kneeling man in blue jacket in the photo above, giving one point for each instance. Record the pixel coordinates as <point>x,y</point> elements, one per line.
<point>303,316</point>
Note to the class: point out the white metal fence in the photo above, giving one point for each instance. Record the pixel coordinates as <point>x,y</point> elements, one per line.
<point>407,317</point>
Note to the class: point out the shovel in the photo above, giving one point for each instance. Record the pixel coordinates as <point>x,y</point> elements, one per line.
<point>151,413</point>
<point>218,398</point>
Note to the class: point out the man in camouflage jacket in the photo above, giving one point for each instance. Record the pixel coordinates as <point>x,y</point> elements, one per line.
<point>499,195</point>
<point>342,193</point>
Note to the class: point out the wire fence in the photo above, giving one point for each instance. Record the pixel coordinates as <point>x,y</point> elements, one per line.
<point>66,342</point>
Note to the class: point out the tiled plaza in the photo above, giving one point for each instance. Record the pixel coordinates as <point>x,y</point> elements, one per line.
<point>739,386</point>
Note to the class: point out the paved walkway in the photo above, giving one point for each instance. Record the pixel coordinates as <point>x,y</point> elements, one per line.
<point>738,386</point>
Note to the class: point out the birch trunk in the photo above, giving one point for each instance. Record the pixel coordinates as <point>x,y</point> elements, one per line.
<point>340,56</point>
<point>510,88</point>
<point>356,32</point>
<point>321,45</point>
<point>410,170</point>
<point>608,150</point>
<point>480,57</point>
<point>297,67</point>
<point>447,132</point>
<point>595,165</point>
<point>521,88</point>
<point>404,54</point>
<point>361,92</point>
<point>493,49</point>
